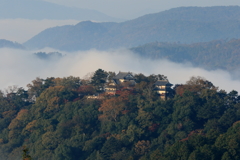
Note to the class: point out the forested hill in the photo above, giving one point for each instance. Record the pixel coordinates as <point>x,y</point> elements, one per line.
<point>184,24</point>
<point>9,44</point>
<point>54,119</point>
<point>218,54</point>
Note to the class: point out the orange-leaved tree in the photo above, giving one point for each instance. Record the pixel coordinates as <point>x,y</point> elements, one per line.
<point>112,108</point>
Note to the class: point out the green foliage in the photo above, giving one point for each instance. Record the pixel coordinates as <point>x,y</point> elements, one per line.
<point>200,122</point>
<point>99,79</point>
<point>111,146</point>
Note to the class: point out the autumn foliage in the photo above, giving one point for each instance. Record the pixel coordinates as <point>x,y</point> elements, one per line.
<point>62,123</point>
<point>111,108</point>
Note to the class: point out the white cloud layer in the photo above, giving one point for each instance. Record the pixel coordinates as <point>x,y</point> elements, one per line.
<point>21,30</point>
<point>19,67</point>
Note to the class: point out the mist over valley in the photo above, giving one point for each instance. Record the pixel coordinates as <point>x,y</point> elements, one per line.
<point>23,66</point>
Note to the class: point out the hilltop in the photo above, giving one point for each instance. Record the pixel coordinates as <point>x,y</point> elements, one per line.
<point>55,120</point>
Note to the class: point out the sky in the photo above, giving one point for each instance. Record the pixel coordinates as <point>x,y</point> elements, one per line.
<point>128,9</point>
<point>21,30</point>
<point>20,67</point>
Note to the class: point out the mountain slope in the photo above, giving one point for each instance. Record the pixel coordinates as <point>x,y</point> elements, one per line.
<point>184,24</point>
<point>216,54</point>
<point>37,9</point>
<point>9,44</point>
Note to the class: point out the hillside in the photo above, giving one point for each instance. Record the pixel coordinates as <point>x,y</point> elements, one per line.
<point>9,44</point>
<point>39,9</point>
<point>184,25</point>
<point>216,54</point>
<point>55,120</point>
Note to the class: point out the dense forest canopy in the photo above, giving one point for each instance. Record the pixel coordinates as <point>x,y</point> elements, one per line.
<point>217,54</point>
<point>55,120</point>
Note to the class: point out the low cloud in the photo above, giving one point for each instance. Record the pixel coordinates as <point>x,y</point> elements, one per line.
<point>21,30</point>
<point>21,67</point>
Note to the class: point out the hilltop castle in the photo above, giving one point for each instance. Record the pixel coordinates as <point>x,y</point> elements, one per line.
<point>127,80</point>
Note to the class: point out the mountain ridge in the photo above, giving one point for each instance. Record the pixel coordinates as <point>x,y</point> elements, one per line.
<point>9,44</point>
<point>217,54</point>
<point>149,28</point>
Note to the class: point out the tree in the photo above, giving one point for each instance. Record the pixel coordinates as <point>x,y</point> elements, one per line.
<point>195,85</point>
<point>72,83</point>
<point>156,155</point>
<point>52,98</point>
<point>140,77</point>
<point>144,118</point>
<point>35,88</point>
<point>114,106</point>
<point>123,154</point>
<point>25,155</point>
<point>142,147</point>
<point>111,108</point>
<point>146,89</point>
<point>226,156</point>
<point>63,152</point>
<point>86,89</point>
<point>149,79</point>
<point>199,83</point>
<point>99,79</point>
<point>112,145</point>
<point>110,76</point>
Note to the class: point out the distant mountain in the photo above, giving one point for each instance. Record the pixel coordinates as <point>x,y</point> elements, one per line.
<point>9,44</point>
<point>216,54</point>
<point>48,56</point>
<point>38,9</point>
<point>184,24</point>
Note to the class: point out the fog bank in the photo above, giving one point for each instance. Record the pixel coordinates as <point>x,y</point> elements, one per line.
<point>21,67</point>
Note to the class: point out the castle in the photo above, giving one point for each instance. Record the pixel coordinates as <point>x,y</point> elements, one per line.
<point>126,79</point>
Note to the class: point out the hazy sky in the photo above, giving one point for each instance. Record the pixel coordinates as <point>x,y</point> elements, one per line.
<point>128,9</point>
<point>21,30</point>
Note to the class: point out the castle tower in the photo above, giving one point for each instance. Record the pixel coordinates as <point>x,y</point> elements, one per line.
<point>163,87</point>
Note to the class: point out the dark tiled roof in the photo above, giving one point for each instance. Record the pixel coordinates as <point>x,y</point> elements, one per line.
<point>121,75</point>
<point>116,81</point>
<point>163,83</point>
